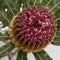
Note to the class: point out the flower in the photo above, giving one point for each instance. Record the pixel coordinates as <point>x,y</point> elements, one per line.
<point>32,29</point>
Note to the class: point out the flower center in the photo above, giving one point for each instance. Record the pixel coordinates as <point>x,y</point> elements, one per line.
<point>37,24</point>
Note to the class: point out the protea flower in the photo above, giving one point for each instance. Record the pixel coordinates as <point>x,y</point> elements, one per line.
<point>31,30</point>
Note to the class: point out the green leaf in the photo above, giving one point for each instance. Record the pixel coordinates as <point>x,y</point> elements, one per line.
<point>38,2</point>
<point>6,49</point>
<point>21,56</point>
<point>4,21</point>
<point>42,56</point>
<point>56,1</point>
<point>12,4</point>
<point>4,37</point>
<point>24,2</point>
<point>0,4</point>
<point>6,5</point>
<point>57,13</point>
<point>56,41</point>
<point>58,28</point>
<point>58,33</point>
<point>58,23</point>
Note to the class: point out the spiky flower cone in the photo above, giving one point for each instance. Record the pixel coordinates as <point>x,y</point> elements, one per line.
<point>32,29</point>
